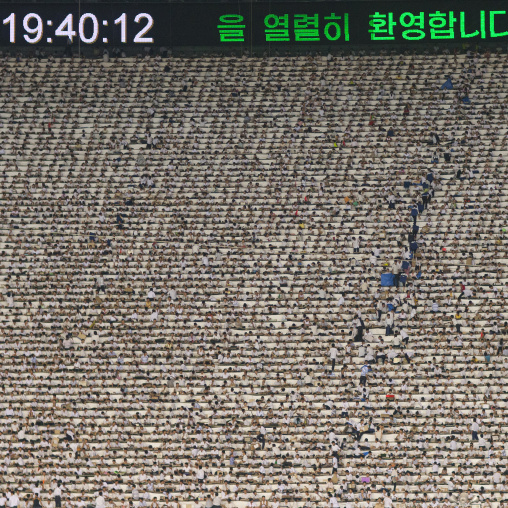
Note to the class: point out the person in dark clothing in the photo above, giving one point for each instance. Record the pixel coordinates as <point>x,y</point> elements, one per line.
<point>359,331</point>
<point>425,199</point>
<point>37,502</point>
<point>414,213</point>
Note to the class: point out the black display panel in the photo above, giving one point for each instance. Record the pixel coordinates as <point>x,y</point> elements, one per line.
<point>258,24</point>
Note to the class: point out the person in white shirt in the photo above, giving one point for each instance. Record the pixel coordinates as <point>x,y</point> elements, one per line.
<point>57,495</point>
<point>100,501</point>
<point>217,500</point>
<point>13,500</point>
<point>474,430</point>
<point>404,336</point>
<point>335,464</point>
<point>101,286</point>
<point>333,355</point>
<point>200,475</point>
<point>392,354</point>
<point>363,374</point>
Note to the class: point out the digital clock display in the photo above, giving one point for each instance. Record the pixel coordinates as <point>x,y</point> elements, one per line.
<point>229,24</point>
<point>88,27</point>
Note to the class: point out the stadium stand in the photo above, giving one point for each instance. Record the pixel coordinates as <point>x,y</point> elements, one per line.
<point>254,281</point>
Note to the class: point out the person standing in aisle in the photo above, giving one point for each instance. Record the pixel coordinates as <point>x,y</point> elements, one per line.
<point>57,495</point>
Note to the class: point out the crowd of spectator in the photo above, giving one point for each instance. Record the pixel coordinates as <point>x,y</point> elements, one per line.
<point>254,281</point>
